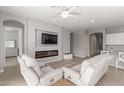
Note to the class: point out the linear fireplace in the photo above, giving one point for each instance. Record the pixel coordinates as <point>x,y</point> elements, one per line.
<point>44,54</point>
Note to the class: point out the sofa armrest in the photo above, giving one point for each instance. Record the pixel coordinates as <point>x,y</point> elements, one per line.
<point>45,66</point>
<point>51,74</point>
<point>71,72</point>
<point>30,77</point>
<point>86,77</point>
<point>42,65</point>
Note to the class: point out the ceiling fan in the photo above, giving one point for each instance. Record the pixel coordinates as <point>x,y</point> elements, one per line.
<point>66,11</point>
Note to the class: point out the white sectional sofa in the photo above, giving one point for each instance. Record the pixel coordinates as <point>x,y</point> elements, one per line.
<point>90,71</point>
<point>36,74</point>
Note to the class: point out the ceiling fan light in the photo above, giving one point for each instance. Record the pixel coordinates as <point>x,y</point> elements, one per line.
<point>64,16</point>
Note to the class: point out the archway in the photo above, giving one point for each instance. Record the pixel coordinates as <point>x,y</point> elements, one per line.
<point>95,43</point>
<point>14,39</point>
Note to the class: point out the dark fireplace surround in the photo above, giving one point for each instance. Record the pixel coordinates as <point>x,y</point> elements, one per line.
<point>44,54</point>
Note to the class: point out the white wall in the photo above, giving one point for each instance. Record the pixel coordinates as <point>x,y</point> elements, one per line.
<point>66,41</point>
<point>30,25</point>
<point>33,25</point>
<point>80,44</point>
<point>1,46</point>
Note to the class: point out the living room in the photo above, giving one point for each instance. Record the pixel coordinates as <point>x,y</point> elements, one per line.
<point>70,43</point>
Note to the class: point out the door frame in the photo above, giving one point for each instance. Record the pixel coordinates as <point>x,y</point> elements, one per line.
<point>20,45</point>
<point>90,41</point>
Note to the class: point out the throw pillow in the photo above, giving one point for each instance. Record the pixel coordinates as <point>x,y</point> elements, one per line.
<point>30,62</point>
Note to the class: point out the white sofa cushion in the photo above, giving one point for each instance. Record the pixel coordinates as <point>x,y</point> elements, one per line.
<point>77,68</point>
<point>29,75</point>
<point>93,72</point>
<point>71,72</point>
<point>38,70</point>
<point>86,63</point>
<point>73,75</point>
<point>30,62</point>
<point>85,77</point>
<point>91,61</point>
<point>49,76</point>
<point>99,70</point>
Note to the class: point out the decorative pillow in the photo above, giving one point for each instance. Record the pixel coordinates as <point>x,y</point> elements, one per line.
<point>31,77</point>
<point>30,62</point>
<point>37,70</point>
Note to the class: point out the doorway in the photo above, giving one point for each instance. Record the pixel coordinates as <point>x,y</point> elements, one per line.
<point>13,35</point>
<point>13,44</point>
<point>96,43</point>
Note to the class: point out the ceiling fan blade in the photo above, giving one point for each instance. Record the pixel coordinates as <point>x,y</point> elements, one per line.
<point>75,13</point>
<point>71,9</point>
<point>72,15</point>
<point>65,12</point>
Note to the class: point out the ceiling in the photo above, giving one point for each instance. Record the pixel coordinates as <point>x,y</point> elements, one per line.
<point>104,16</point>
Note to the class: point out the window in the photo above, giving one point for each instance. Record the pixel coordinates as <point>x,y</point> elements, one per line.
<point>10,44</point>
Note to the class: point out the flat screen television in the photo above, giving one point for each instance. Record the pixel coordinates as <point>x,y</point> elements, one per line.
<point>49,38</point>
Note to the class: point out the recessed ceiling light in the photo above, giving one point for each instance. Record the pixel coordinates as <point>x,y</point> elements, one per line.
<point>92,21</point>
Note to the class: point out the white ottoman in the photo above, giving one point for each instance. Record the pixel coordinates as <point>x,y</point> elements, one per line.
<point>68,56</point>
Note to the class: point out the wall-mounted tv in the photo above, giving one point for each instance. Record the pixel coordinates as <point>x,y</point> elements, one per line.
<point>49,38</point>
